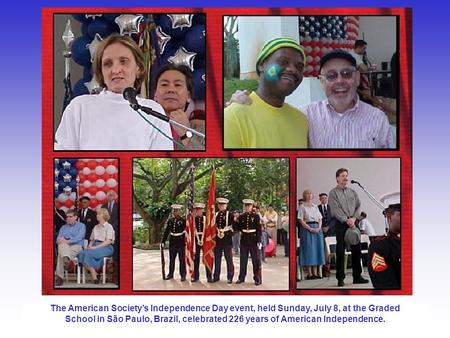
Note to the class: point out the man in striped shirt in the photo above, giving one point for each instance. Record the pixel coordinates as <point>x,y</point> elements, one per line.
<point>343,120</point>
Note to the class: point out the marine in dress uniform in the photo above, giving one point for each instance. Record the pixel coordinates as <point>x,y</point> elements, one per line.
<point>176,227</point>
<point>250,226</point>
<point>199,221</point>
<point>224,240</point>
<point>384,254</point>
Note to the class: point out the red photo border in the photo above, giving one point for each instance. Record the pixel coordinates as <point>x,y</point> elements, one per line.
<point>214,145</point>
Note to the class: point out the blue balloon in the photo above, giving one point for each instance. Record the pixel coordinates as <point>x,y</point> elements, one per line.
<point>199,19</point>
<point>72,161</point>
<point>56,193</point>
<point>84,28</point>
<point>87,73</point>
<point>100,26</point>
<point>62,185</point>
<point>73,185</point>
<point>80,51</point>
<point>166,24</point>
<point>73,172</point>
<point>110,17</point>
<point>199,83</point>
<point>195,39</point>
<point>199,62</point>
<point>81,18</point>
<point>80,88</point>
<point>62,172</point>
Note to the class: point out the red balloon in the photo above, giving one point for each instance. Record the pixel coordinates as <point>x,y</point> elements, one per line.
<point>116,189</point>
<point>68,203</point>
<point>92,189</point>
<point>80,165</point>
<point>115,163</point>
<point>82,176</point>
<point>92,177</point>
<point>92,164</point>
<point>81,190</point>
<point>105,176</point>
<point>93,203</point>
<point>58,205</point>
<point>105,189</point>
<point>105,163</point>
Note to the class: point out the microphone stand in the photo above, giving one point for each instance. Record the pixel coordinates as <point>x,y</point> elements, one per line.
<point>165,118</point>
<point>378,203</point>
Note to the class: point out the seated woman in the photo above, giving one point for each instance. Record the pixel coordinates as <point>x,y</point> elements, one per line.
<point>312,253</point>
<point>106,121</point>
<point>174,92</point>
<point>100,245</point>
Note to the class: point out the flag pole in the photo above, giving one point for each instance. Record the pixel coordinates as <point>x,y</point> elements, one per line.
<point>67,38</point>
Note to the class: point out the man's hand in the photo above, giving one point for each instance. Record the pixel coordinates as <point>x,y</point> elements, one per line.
<point>240,96</point>
<point>351,222</point>
<point>325,229</point>
<point>179,116</point>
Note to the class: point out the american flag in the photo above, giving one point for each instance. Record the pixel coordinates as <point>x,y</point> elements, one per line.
<point>190,221</point>
<point>319,34</point>
<point>210,227</point>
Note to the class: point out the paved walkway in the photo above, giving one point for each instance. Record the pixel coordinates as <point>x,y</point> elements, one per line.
<point>147,274</point>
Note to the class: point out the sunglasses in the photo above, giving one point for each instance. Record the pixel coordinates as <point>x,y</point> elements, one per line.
<point>333,75</point>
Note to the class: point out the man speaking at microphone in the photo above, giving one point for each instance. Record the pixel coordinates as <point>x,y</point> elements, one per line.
<point>345,204</point>
<point>105,121</point>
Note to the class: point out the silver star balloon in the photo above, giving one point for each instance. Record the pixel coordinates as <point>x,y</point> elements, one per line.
<point>163,39</point>
<point>93,45</point>
<point>66,165</point>
<point>129,23</point>
<point>67,178</point>
<point>67,190</point>
<point>93,16</point>
<point>203,78</point>
<point>56,186</point>
<point>56,172</point>
<point>93,86</point>
<point>181,20</point>
<point>68,35</point>
<point>183,57</point>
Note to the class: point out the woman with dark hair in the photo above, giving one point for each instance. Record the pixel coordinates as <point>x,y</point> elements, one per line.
<point>106,121</point>
<point>174,92</point>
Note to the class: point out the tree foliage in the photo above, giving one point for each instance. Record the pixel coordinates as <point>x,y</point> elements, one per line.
<point>160,182</point>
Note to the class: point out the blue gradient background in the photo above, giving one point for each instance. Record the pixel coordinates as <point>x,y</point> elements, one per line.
<point>20,137</point>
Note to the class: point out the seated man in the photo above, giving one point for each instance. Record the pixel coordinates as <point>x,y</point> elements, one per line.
<point>70,242</point>
<point>269,122</point>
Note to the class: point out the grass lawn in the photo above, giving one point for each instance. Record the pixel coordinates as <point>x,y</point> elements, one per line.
<point>231,85</point>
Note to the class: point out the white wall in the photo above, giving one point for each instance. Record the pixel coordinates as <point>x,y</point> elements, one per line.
<point>378,175</point>
<point>381,36</point>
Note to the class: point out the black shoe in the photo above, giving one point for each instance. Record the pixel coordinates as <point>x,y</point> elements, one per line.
<point>210,280</point>
<point>239,281</point>
<point>168,277</point>
<point>183,279</point>
<point>258,282</point>
<point>341,282</point>
<point>360,280</point>
<point>229,281</point>
<point>215,280</point>
<point>97,280</point>
<point>58,281</point>
<point>66,261</point>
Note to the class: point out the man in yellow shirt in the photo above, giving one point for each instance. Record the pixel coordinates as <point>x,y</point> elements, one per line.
<point>269,122</point>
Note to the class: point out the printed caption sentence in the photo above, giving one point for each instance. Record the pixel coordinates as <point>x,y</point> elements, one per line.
<point>148,314</point>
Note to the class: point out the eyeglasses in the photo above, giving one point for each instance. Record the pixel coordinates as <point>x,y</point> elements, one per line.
<point>333,75</point>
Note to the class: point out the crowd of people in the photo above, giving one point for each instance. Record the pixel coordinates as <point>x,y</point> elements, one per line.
<point>244,233</point>
<point>339,215</point>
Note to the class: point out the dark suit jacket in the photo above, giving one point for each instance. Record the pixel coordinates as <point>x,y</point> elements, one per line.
<point>89,221</point>
<point>328,220</point>
<point>113,216</point>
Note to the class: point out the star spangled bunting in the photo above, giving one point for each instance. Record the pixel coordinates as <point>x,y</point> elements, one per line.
<point>209,241</point>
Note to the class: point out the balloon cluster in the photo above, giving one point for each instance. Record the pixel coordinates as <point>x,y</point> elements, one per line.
<point>93,178</point>
<point>180,39</point>
<point>321,34</point>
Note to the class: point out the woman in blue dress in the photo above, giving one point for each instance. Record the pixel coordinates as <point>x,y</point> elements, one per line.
<point>100,245</point>
<point>312,253</point>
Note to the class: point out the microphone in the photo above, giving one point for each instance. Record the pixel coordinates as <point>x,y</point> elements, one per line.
<point>129,94</point>
<point>354,182</point>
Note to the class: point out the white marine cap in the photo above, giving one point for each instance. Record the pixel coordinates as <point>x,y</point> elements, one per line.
<point>222,200</point>
<point>176,206</point>
<point>248,201</point>
<point>199,205</point>
<point>391,201</point>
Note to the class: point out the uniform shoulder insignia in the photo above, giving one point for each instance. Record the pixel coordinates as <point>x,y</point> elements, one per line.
<point>378,263</point>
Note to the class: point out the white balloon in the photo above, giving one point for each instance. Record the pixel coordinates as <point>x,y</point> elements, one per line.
<point>62,197</point>
<point>100,183</point>
<point>99,170</point>
<point>100,195</point>
<point>65,209</point>
<point>73,196</point>
<point>87,184</point>
<point>111,169</point>
<point>111,182</point>
<point>85,160</point>
<point>86,171</point>
<point>99,159</point>
<point>308,49</point>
